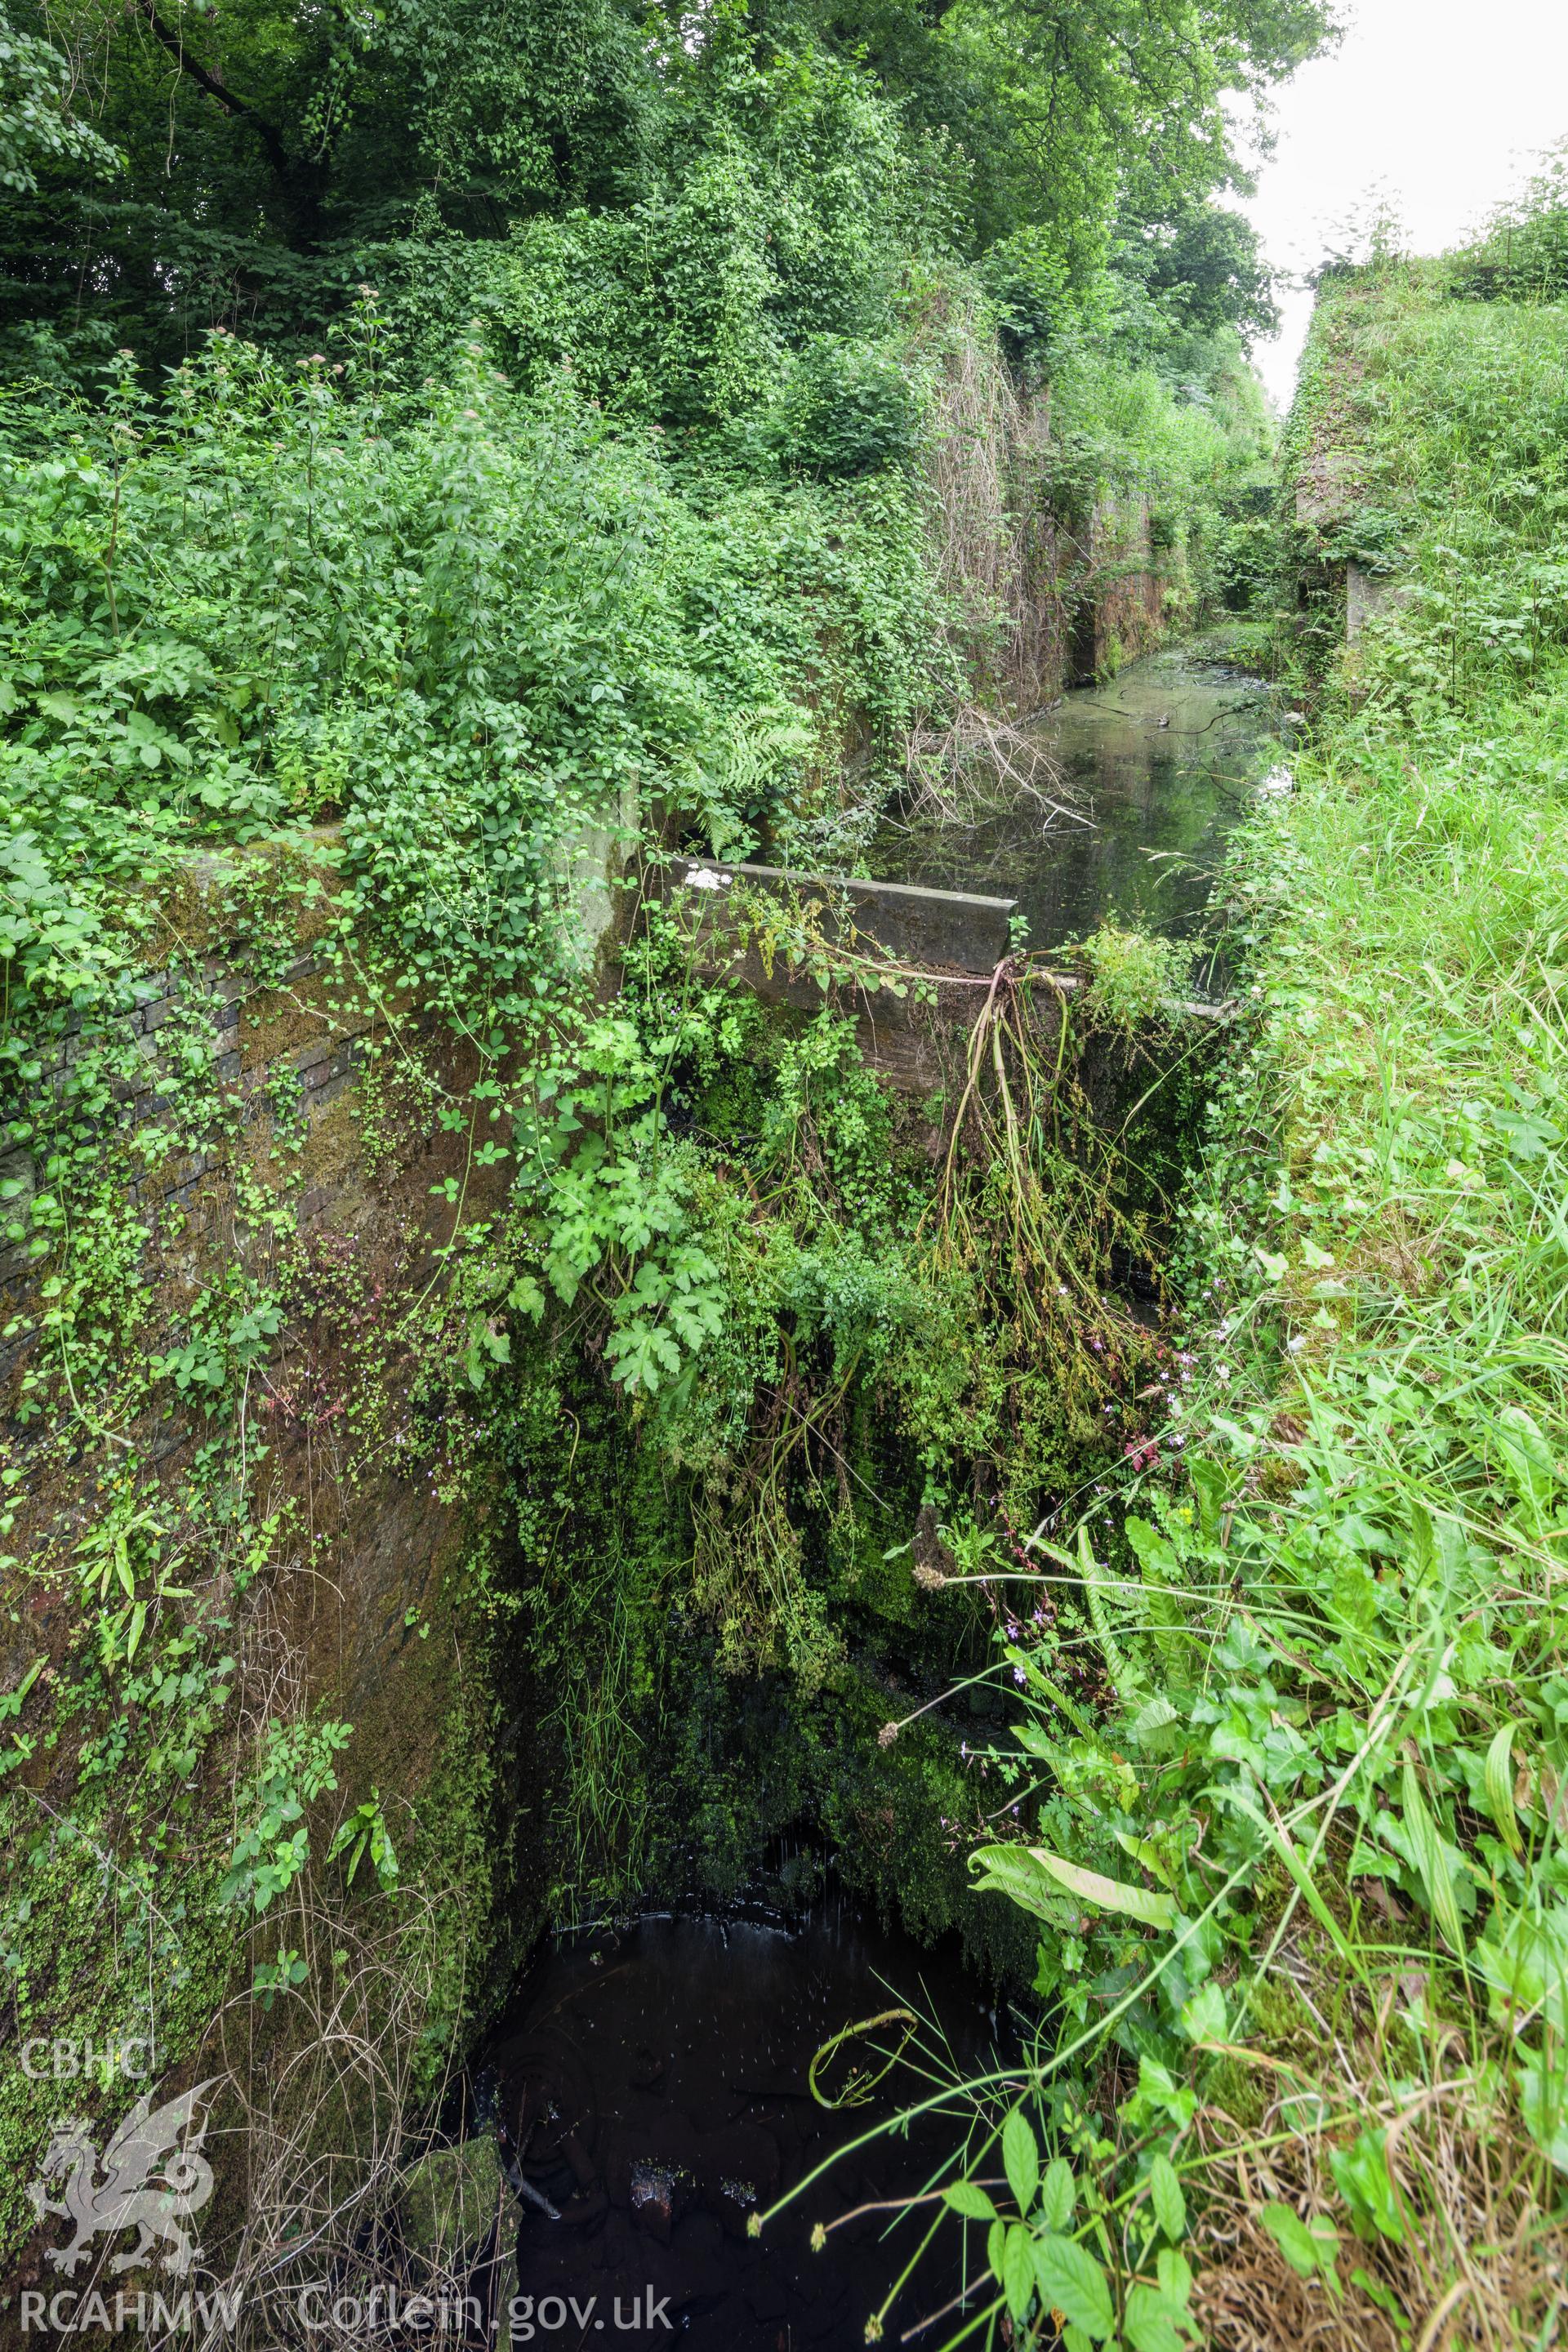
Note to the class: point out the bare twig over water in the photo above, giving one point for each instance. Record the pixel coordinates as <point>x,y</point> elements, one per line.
<point>977,763</point>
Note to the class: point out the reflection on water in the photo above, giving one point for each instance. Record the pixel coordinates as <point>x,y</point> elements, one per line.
<point>1163,759</point>
<point>656,2085</point>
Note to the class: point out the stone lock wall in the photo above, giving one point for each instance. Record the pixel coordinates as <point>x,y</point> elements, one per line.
<point>367,1608</point>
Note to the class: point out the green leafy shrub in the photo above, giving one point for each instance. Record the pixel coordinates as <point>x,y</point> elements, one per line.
<point>783,210</point>
<point>1453,418</point>
<point>489,624</point>
<point>846,408</point>
<point>1029,284</point>
<point>37,126</point>
<point>1134,975</point>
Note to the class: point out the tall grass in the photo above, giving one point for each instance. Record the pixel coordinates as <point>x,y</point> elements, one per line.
<point>1286,1794</point>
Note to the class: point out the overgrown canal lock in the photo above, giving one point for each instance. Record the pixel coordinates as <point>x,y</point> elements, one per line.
<point>660,2082</point>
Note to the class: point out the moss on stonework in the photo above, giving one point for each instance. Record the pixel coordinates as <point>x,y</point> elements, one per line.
<point>109,1941</point>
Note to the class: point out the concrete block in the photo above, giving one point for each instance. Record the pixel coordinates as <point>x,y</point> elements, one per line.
<point>940,931</point>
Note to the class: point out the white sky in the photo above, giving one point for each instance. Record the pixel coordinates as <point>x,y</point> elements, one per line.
<point>1439,105</point>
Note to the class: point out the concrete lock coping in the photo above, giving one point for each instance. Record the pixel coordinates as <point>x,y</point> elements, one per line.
<point>953,929</point>
<point>956,930</point>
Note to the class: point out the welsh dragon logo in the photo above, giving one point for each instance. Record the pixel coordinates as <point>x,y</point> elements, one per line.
<point>154,2176</point>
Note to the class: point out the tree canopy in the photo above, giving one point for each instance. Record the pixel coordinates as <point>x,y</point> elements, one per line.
<point>177,164</point>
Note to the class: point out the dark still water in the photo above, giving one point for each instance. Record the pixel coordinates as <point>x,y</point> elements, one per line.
<point>655,2084</point>
<point>1164,760</point>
